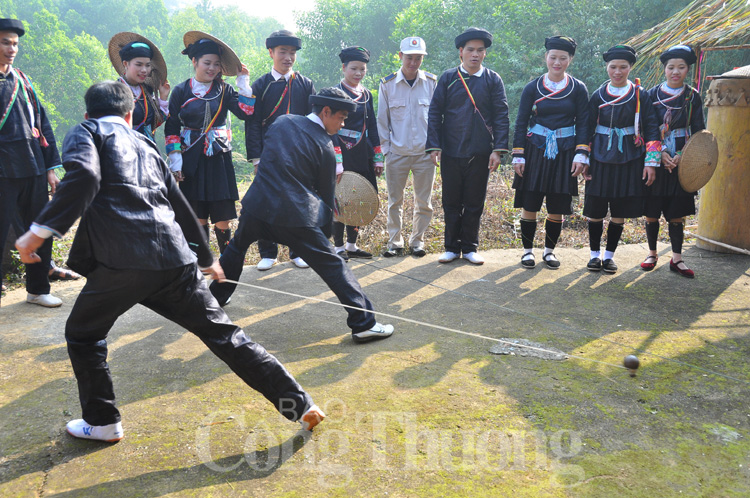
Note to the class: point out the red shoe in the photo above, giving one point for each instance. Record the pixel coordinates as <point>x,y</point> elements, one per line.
<point>648,266</point>
<point>687,272</point>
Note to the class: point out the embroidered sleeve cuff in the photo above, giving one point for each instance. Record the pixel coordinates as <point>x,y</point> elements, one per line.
<point>54,167</point>
<point>518,160</point>
<point>339,160</point>
<point>378,155</point>
<point>44,232</point>
<point>518,152</point>
<point>433,150</point>
<point>173,143</point>
<point>581,158</point>
<point>175,161</point>
<point>247,104</point>
<point>654,146</point>
<point>653,158</point>
<point>501,151</point>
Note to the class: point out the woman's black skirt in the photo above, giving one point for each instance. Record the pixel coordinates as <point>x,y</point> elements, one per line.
<point>548,176</point>
<point>209,178</point>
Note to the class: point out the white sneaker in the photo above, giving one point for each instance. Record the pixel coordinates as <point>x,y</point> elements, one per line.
<point>266,264</point>
<point>312,417</point>
<point>46,300</point>
<point>300,263</point>
<point>474,258</point>
<point>379,331</point>
<point>110,433</point>
<point>447,257</point>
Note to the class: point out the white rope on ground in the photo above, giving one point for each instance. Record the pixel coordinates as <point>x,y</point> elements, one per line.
<point>417,322</point>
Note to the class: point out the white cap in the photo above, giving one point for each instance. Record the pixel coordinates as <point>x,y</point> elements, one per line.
<point>413,45</point>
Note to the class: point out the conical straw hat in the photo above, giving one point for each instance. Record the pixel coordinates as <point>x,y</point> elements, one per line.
<point>158,66</point>
<point>356,201</point>
<point>230,63</point>
<point>698,163</point>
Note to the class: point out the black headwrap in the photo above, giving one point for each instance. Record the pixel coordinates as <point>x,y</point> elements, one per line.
<point>624,52</point>
<point>474,34</point>
<point>354,54</point>
<point>202,47</point>
<point>335,103</point>
<point>565,43</point>
<point>684,52</point>
<point>13,25</point>
<point>136,49</point>
<point>283,37</point>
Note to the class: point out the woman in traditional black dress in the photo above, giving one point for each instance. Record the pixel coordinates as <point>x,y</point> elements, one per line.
<point>625,152</point>
<point>359,141</point>
<point>680,111</point>
<point>198,131</point>
<point>550,148</point>
<point>141,66</point>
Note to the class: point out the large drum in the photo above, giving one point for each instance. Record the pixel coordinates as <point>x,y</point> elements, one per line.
<point>724,214</point>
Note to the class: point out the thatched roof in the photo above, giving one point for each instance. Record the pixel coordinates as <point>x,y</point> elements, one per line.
<point>702,24</point>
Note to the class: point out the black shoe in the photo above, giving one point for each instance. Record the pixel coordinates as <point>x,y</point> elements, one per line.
<point>609,266</point>
<point>595,264</point>
<point>420,253</point>
<point>359,253</point>
<point>343,255</point>
<point>551,261</point>
<point>528,263</point>
<point>392,253</point>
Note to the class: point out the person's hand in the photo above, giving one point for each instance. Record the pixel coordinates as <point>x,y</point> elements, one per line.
<point>667,161</point>
<point>586,175</point>
<point>215,271</point>
<point>649,174</point>
<point>164,90</point>
<point>495,160</point>
<point>338,177</point>
<point>53,180</point>
<point>27,245</point>
<point>518,168</point>
<point>577,169</point>
<point>435,156</point>
<point>244,71</point>
<point>178,176</point>
<point>378,170</point>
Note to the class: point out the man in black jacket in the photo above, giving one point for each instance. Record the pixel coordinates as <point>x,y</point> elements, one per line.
<point>28,159</point>
<point>467,130</point>
<point>134,246</point>
<point>291,201</point>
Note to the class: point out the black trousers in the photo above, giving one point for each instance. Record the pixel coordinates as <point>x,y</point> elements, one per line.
<point>309,243</point>
<point>25,198</point>
<point>464,191</point>
<point>182,296</point>
<point>270,250</point>
<point>338,234</point>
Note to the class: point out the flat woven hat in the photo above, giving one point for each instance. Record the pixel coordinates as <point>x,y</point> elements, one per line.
<point>158,66</point>
<point>230,63</point>
<point>356,201</point>
<point>699,158</point>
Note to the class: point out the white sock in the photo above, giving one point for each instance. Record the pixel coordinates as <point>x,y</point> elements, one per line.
<point>338,248</point>
<point>596,254</point>
<point>351,247</point>
<point>609,255</point>
<point>547,250</point>
<point>528,251</point>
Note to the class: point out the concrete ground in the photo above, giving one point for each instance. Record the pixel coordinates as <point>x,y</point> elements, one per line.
<point>428,412</point>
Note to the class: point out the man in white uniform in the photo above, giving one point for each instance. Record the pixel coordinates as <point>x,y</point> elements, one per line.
<point>403,104</point>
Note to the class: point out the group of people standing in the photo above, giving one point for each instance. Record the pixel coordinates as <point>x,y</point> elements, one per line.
<point>142,239</point>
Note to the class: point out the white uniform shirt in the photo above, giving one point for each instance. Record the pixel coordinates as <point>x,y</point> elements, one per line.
<point>402,113</point>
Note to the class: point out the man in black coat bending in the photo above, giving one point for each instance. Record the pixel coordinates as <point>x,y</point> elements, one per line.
<point>291,202</point>
<point>467,130</point>
<point>134,246</point>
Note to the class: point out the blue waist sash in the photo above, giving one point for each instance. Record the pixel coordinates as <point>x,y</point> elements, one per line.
<point>620,132</point>
<point>551,136</point>
<point>670,143</point>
